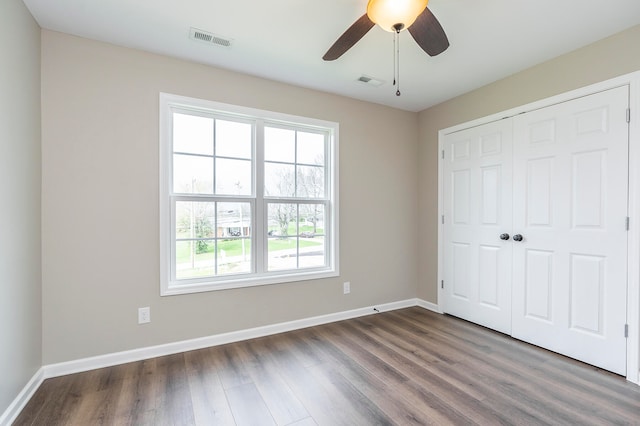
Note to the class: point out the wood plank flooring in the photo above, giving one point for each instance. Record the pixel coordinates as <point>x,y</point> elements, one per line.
<point>404,367</point>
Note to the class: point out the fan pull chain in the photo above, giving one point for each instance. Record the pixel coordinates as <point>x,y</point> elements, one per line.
<point>394,58</point>
<point>397,61</point>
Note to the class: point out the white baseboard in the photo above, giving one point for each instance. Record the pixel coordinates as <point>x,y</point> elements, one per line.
<point>86,364</point>
<point>11,413</point>
<point>428,305</point>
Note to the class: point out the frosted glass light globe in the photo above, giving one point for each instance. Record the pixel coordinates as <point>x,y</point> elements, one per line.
<point>388,13</point>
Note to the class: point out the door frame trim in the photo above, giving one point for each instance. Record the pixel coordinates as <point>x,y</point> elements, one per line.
<point>633,243</point>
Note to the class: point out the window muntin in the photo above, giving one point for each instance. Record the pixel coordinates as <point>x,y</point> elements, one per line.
<point>252,197</point>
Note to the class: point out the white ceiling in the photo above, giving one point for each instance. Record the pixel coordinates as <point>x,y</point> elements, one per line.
<point>284,40</point>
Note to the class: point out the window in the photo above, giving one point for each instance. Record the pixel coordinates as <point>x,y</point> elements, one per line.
<point>247,197</point>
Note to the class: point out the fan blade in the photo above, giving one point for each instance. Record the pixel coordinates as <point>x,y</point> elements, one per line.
<point>350,37</point>
<point>428,33</point>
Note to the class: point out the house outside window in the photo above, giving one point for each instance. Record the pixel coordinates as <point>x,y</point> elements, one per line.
<point>247,197</point>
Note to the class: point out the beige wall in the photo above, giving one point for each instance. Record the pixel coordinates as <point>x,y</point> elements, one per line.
<point>100,191</point>
<point>20,277</point>
<point>100,202</point>
<point>611,57</point>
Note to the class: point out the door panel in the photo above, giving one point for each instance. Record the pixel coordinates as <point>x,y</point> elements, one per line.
<point>538,284</point>
<point>489,264</point>
<point>588,180</point>
<point>461,197</point>
<point>539,176</point>
<point>490,206</point>
<point>587,293</point>
<point>478,209</point>
<point>569,281</point>
<point>461,276</point>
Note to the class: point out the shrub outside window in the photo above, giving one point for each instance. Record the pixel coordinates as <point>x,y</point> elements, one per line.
<point>247,197</point>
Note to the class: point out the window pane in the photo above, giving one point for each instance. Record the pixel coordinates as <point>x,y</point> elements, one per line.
<point>233,139</point>
<point>310,148</point>
<point>192,134</point>
<point>279,145</point>
<point>234,220</point>
<point>312,254</point>
<point>282,219</point>
<point>310,182</point>
<point>234,256</point>
<point>234,229</point>
<point>311,219</point>
<point>184,228</point>
<point>279,180</point>
<point>282,249</point>
<point>233,177</point>
<point>311,241</point>
<point>195,259</point>
<point>282,253</point>
<point>195,219</point>
<point>192,175</point>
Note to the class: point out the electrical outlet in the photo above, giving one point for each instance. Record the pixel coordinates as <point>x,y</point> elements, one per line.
<point>346,287</point>
<point>144,315</point>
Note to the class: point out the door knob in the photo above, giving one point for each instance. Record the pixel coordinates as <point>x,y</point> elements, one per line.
<point>518,237</point>
<point>504,237</point>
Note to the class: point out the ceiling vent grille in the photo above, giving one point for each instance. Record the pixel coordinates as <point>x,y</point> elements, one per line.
<point>369,81</point>
<point>209,38</point>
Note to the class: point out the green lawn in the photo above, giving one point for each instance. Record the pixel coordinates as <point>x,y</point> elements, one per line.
<point>292,229</point>
<point>234,247</point>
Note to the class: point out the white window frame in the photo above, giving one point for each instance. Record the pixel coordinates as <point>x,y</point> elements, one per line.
<point>260,276</point>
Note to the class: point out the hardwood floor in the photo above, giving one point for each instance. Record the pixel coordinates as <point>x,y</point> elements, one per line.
<point>409,366</point>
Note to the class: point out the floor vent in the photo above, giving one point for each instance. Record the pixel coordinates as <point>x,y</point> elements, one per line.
<point>209,38</point>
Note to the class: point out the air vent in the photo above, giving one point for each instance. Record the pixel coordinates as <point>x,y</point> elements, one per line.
<point>209,38</point>
<point>369,81</point>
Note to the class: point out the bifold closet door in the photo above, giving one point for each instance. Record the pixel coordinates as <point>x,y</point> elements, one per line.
<point>570,206</point>
<point>477,212</point>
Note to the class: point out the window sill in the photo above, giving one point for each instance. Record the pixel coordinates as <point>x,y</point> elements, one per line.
<point>173,289</point>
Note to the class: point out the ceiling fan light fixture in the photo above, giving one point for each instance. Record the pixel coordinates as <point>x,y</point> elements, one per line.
<point>388,13</point>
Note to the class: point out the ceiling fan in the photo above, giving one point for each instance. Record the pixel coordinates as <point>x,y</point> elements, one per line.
<point>395,16</point>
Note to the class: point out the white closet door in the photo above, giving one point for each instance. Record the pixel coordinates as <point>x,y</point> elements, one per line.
<point>477,210</point>
<point>570,205</point>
